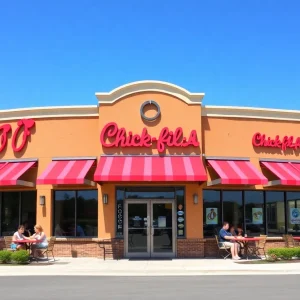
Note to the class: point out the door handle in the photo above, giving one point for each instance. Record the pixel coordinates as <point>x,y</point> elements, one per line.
<point>152,230</point>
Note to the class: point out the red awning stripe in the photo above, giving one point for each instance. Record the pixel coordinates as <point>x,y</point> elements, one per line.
<point>66,172</point>
<point>150,168</point>
<point>288,173</point>
<point>296,166</point>
<point>237,172</point>
<point>11,172</point>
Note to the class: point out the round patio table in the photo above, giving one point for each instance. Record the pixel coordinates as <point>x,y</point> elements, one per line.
<point>246,241</point>
<point>28,243</point>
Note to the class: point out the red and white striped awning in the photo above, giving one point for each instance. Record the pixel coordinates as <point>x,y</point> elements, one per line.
<point>236,172</point>
<point>12,171</point>
<point>150,168</point>
<point>67,172</point>
<point>288,173</point>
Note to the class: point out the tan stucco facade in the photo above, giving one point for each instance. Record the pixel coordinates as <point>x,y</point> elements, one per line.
<point>75,132</point>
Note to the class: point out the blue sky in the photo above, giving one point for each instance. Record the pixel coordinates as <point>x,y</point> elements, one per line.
<point>244,53</point>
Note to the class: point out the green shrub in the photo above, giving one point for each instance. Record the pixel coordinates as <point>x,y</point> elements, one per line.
<point>284,253</point>
<point>20,257</point>
<point>297,252</point>
<point>5,256</point>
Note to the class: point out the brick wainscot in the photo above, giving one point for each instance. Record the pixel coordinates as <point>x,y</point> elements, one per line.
<point>186,248</point>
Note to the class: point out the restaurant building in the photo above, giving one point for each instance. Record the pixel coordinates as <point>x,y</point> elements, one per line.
<point>150,170</point>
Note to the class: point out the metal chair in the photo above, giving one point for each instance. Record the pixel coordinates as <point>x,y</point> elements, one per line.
<point>50,247</point>
<point>8,242</point>
<point>259,246</point>
<point>107,245</point>
<point>289,241</point>
<point>222,248</point>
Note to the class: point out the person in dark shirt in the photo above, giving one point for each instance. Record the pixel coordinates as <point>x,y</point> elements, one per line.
<point>229,241</point>
<point>233,230</point>
<point>27,231</point>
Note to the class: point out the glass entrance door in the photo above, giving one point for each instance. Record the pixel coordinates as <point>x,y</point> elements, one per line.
<point>162,235</point>
<point>149,228</point>
<point>137,229</point>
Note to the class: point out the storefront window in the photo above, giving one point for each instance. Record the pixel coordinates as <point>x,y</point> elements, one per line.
<point>17,208</point>
<point>233,208</point>
<point>254,213</point>
<point>293,213</point>
<point>87,213</point>
<point>76,213</point>
<point>211,212</point>
<point>275,213</point>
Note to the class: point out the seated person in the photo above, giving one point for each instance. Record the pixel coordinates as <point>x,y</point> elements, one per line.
<point>240,231</point>
<point>40,236</point>
<point>18,235</point>
<point>27,232</point>
<point>229,241</point>
<point>233,230</point>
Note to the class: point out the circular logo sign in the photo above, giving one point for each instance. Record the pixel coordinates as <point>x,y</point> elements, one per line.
<point>142,110</point>
<point>180,219</point>
<point>295,213</point>
<point>180,213</point>
<point>180,225</point>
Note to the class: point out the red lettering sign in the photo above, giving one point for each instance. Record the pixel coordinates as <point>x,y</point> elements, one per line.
<point>113,136</point>
<point>287,142</point>
<point>24,129</point>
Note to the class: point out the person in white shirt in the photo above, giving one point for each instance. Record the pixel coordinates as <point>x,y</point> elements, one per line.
<point>18,235</point>
<point>41,239</point>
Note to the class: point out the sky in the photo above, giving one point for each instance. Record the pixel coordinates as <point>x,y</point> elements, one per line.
<point>239,53</point>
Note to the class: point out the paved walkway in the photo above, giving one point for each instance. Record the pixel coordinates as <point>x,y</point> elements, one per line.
<point>176,267</point>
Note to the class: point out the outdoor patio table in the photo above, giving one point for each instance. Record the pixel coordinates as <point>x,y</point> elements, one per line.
<point>28,242</point>
<point>297,239</point>
<point>246,241</point>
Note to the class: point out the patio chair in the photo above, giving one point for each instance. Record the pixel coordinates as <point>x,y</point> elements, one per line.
<point>50,247</point>
<point>8,242</point>
<point>289,241</point>
<point>222,248</point>
<point>108,247</point>
<point>259,246</point>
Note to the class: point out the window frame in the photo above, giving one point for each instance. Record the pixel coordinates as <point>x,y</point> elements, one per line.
<point>20,204</point>
<point>264,209</point>
<point>244,206</point>
<point>75,211</point>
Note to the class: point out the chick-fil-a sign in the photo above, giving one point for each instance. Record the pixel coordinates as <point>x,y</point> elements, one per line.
<point>284,143</point>
<point>20,136</point>
<point>113,136</point>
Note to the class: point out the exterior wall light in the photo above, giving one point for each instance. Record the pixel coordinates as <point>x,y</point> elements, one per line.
<point>105,199</point>
<point>42,200</point>
<point>195,198</point>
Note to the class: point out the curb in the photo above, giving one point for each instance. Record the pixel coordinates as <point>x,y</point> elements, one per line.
<point>155,273</point>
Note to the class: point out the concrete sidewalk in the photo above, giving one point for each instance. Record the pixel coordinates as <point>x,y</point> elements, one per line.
<point>176,267</point>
